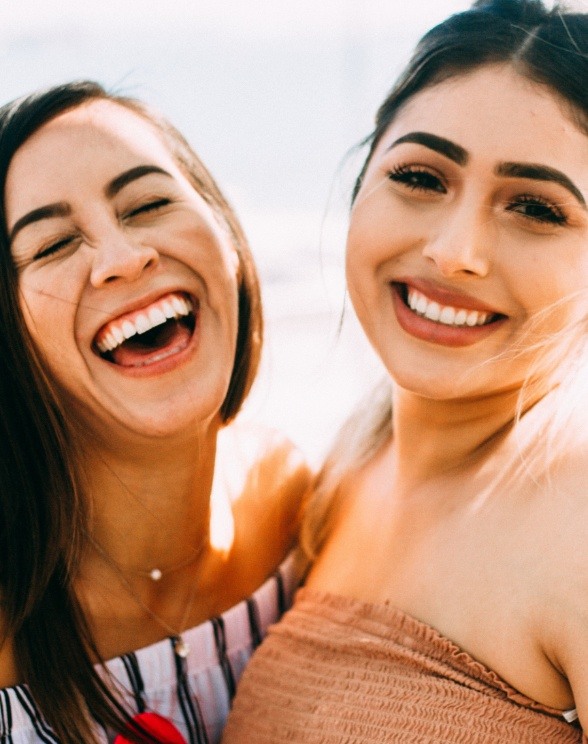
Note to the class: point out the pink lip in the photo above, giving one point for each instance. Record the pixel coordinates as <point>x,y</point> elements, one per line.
<point>166,364</point>
<point>438,333</point>
<point>446,296</point>
<point>161,367</point>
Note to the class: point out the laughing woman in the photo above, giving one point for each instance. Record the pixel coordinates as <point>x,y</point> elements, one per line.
<point>448,598</point>
<point>134,514</point>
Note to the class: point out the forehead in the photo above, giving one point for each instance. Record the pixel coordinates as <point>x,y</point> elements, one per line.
<point>494,109</point>
<point>95,140</point>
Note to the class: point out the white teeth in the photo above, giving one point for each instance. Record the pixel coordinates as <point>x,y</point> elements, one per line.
<point>179,305</point>
<point>156,316</point>
<point>433,311</point>
<point>109,341</point>
<point>117,332</point>
<point>168,309</point>
<point>421,304</point>
<point>447,315</point>
<point>128,329</point>
<point>142,323</point>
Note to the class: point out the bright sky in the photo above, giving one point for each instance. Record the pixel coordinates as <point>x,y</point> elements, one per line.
<point>253,17</point>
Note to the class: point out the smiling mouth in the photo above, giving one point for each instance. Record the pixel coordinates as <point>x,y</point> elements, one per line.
<point>149,335</point>
<point>447,315</point>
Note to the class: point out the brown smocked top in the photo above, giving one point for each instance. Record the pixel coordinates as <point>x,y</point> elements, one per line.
<point>339,671</point>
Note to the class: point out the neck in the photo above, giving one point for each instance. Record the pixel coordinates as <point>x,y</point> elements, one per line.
<point>436,437</point>
<point>150,504</point>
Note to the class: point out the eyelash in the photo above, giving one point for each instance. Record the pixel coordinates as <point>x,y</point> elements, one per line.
<point>416,178</point>
<point>149,207</point>
<point>545,212</point>
<point>62,243</point>
<point>53,248</point>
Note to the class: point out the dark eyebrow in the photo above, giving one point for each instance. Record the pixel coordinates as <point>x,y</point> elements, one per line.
<point>118,183</point>
<point>433,142</point>
<point>540,173</point>
<point>59,209</point>
<point>62,209</point>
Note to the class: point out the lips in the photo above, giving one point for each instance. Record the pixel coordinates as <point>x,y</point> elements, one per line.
<point>446,314</point>
<point>150,334</point>
<point>442,317</point>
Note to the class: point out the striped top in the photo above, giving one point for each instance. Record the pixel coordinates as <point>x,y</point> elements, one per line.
<point>337,669</point>
<point>193,693</point>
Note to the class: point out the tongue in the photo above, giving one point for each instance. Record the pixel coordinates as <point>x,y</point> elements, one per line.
<point>144,349</point>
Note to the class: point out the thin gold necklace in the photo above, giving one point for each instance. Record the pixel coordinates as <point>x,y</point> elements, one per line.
<point>181,647</point>
<point>156,574</point>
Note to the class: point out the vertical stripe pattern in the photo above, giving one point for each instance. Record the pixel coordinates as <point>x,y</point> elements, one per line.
<point>135,680</point>
<point>5,718</point>
<point>221,650</point>
<point>254,623</point>
<point>40,726</point>
<point>195,693</point>
<point>189,703</point>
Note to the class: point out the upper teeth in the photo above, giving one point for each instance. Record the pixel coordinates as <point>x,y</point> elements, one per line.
<point>121,329</point>
<point>444,313</point>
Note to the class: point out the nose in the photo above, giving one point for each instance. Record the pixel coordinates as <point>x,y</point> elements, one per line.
<point>462,243</point>
<point>120,258</point>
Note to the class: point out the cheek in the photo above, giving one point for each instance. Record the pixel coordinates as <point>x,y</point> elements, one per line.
<point>47,316</point>
<point>34,311</point>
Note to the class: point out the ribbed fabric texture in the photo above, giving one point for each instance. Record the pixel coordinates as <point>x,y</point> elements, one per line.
<point>340,671</point>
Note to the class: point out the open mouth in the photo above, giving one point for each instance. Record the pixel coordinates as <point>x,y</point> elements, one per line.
<point>149,335</point>
<point>447,315</point>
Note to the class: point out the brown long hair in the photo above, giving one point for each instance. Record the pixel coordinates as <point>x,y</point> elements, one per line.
<point>43,517</point>
<point>549,48</point>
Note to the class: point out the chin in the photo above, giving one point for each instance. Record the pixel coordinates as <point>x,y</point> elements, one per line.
<point>438,381</point>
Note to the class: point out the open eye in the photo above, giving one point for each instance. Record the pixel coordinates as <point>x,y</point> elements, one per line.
<point>536,208</point>
<point>417,178</point>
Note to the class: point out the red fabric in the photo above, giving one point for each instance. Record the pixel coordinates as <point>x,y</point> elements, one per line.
<point>158,726</point>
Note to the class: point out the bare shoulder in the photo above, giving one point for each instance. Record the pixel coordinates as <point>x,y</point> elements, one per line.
<point>269,481</point>
<point>564,555</point>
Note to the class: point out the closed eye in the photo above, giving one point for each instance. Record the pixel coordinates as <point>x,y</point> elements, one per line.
<point>537,209</point>
<point>151,206</point>
<point>417,178</point>
<point>53,248</point>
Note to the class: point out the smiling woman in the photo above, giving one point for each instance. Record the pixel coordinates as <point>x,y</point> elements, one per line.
<point>140,524</point>
<point>447,600</point>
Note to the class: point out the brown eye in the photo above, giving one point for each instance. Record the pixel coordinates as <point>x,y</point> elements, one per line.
<point>417,179</point>
<point>538,209</point>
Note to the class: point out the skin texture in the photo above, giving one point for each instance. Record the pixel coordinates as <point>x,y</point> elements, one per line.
<point>118,258</point>
<point>161,476</point>
<point>473,233</point>
<point>439,523</point>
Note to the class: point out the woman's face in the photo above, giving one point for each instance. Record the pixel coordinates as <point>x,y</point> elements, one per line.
<point>128,282</point>
<point>470,222</point>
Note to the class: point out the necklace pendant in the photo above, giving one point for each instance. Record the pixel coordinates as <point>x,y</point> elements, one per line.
<point>181,648</point>
<point>155,574</point>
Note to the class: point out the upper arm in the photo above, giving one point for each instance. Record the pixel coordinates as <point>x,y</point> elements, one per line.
<point>270,482</point>
<point>566,612</point>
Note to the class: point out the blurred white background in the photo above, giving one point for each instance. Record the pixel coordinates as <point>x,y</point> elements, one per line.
<point>272,94</point>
